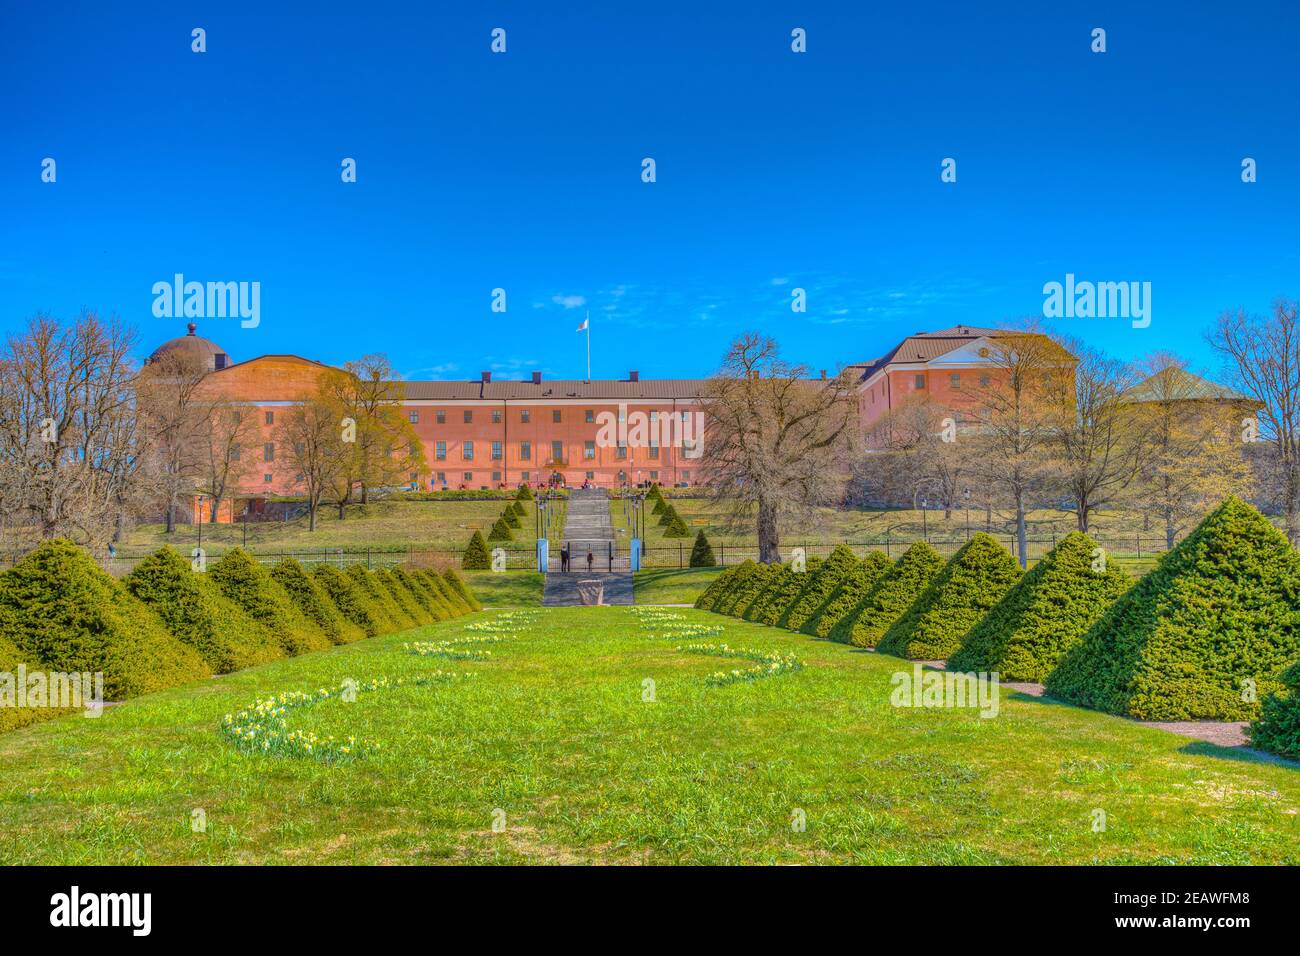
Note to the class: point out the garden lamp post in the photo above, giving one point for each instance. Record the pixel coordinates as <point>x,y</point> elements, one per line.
<point>966,495</point>
<point>201,501</point>
<point>925,528</point>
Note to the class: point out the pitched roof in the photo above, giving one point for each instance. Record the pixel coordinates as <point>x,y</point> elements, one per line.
<point>1177,384</point>
<point>927,346</point>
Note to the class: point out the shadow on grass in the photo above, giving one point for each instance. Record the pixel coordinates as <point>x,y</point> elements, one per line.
<point>1241,754</point>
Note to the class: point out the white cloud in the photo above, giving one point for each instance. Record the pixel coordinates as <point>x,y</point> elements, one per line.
<point>570,301</point>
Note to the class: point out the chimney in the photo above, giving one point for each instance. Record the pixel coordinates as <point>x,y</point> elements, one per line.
<point>537,378</point>
<point>487,376</point>
<point>823,375</point>
<point>634,376</point>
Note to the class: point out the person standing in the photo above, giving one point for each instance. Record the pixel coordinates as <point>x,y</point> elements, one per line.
<point>590,558</point>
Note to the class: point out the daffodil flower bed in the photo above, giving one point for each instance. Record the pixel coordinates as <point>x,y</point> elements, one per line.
<point>264,728</point>
<point>452,649</point>
<point>766,664</point>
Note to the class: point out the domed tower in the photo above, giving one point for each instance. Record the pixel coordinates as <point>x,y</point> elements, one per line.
<point>209,353</point>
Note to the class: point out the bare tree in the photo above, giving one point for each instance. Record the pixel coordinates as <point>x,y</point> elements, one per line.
<point>777,442</point>
<point>231,428</point>
<point>68,438</point>
<point>386,445</point>
<point>1012,444</point>
<point>1192,455</point>
<point>917,445</point>
<point>316,447</point>
<point>1262,356</point>
<point>1098,443</point>
<point>173,420</point>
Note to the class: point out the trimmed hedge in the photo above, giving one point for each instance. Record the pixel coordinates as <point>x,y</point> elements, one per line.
<point>727,599</point>
<point>412,614</point>
<point>753,588</point>
<point>1278,727</point>
<point>476,557</point>
<point>819,587</point>
<point>392,618</point>
<point>702,552</point>
<point>865,624</point>
<point>676,527</point>
<point>198,614</point>
<point>458,585</point>
<point>853,587</point>
<point>251,586</point>
<point>1220,609</point>
<point>353,603</point>
<point>975,579</point>
<point>315,603</point>
<point>12,717</point>
<point>524,493</point>
<point>67,614</point>
<point>783,589</point>
<point>449,594</point>
<point>1044,615</point>
<point>511,517</point>
<point>500,531</point>
<point>707,600</point>
<point>430,610</point>
<point>438,605</point>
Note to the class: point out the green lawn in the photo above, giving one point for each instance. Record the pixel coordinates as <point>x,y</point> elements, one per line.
<point>506,588</point>
<point>553,732</point>
<point>671,585</point>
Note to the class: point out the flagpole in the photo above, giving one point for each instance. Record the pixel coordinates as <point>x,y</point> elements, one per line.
<point>588,325</point>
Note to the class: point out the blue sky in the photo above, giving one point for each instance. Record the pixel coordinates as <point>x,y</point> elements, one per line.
<point>522,171</point>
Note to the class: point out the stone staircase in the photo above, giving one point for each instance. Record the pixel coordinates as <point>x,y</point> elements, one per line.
<point>587,528</point>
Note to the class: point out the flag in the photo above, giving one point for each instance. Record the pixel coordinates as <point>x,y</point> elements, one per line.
<point>583,326</point>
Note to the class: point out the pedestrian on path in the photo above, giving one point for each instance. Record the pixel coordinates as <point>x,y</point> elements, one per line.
<point>590,558</point>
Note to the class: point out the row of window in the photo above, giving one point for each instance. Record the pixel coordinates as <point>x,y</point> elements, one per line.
<point>526,451</point>
<point>525,416</point>
<point>954,380</point>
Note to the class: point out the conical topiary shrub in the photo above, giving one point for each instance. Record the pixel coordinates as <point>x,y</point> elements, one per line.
<point>524,493</point>
<point>852,589</point>
<point>500,531</point>
<point>702,552</point>
<point>783,587</point>
<point>510,517</point>
<point>676,527</point>
<point>1204,636</point>
<point>1044,614</point>
<point>251,586</point>
<point>195,611</point>
<point>864,625</point>
<point>660,506</point>
<point>68,614</point>
<point>11,659</point>
<point>315,603</point>
<point>476,557</point>
<point>707,600</point>
<point>412,613</point>
<point>970,584</point>
<point>736,584</point>
<point>520,509</point>
<point>1278,727</point>
<point>353,603</point>
<point>752,588</point>
<point>455,601</point>
<point>458,585</point>
<point>425,593</point>
<point>381,601</point>
<point>429,611</point>
<point>821,584</point>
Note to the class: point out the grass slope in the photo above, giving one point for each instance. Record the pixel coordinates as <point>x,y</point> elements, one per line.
<point>553,731</point>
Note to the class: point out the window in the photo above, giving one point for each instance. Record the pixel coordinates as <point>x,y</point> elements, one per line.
<point>267,478</point>
<point>654,476</point>
<point>920,381</point>
<point>686,475</point>
<point>270,418</point>
<point>984,381</point>
<point>557,450</point>
<point>525,415</point>
<point>268,451</point>
<point>591,475</point>
<point>440,451</point>
<point>589,450</point>
<point>234,453</point>
<point>496,476</point>
<point>525,451</point>
<point>622,476</point>
<point>654,449</point>
<point>413,417</point>
<point>954,379</point>
<point>589,416</point>
<point>496,451</point>
<point>555,416</point>
<point>524,476</point>
<point>621,452</point>
<point>469,417</point>
<point>440,416</point>
<point>467,451</point>
<point>468,476</point>
<point>441,477</point>
<point>496,416</point>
